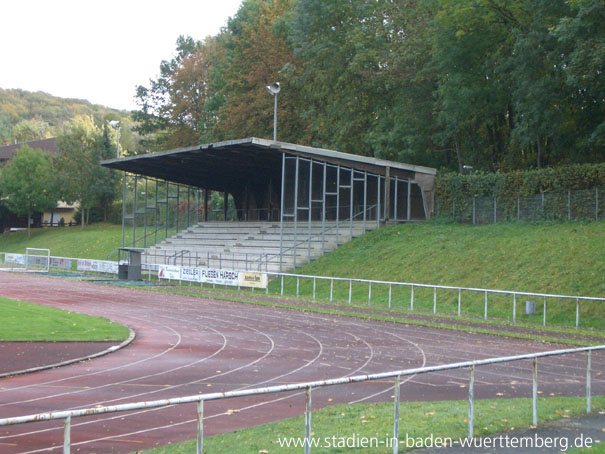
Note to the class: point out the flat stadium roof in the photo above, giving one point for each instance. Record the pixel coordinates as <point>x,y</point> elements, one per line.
<point>219,166</point>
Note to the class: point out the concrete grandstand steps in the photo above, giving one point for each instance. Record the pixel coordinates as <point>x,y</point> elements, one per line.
<point>245,245</point>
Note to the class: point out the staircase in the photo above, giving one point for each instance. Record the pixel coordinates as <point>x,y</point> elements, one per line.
<point>253,246</point>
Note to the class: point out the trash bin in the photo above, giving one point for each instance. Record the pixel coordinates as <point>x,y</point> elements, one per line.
<point>123,271</point>
<point>530,307</point>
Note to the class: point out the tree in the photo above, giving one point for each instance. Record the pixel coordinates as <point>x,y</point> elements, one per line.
<point>81,147</point>
<point>28,184</point>
<point>28,130</point>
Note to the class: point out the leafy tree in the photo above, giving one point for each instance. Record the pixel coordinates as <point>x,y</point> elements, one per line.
<point>33,129</point>
<point>28,184</point>
<point>81,147</point>
<point>582,55</point>
<point>157,117</point>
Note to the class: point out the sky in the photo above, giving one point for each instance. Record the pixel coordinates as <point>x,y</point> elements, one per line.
<point>98,50</point>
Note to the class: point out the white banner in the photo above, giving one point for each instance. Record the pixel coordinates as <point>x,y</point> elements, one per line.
<point>220,277</point>
<point>18,259</point>
<point>169,272</point>
<point>191,274</point>
<point>212,276</point>
<point>98,266</point>
<point>59,262</point>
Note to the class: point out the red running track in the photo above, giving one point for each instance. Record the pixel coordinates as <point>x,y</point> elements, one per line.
<point>187,345</point>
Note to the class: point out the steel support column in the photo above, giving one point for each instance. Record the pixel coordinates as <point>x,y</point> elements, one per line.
<point>281,214</point>
<point>296,205</point>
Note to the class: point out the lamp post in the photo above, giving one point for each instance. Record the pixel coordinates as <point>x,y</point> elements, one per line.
<point>273,90</point>
<point>115,124</point>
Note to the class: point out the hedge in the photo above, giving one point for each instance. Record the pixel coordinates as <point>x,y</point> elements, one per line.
<point>452,186</point>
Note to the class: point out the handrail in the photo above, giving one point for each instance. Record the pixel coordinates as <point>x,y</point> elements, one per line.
<point>66,415</point>
<point>267,257</point>
<point>444,287</point>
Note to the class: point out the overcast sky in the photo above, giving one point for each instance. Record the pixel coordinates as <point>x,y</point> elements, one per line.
<point>98,50</point>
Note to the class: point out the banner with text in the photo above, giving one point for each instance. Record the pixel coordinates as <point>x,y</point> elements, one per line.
<point>98,266</point>
<point>212,276</point>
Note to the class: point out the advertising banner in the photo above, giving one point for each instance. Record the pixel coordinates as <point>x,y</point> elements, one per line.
<point>61,263</point>
<point>212,276</point>
<point>220,277</point>
<point>98,266</point>
<point>170,272</point>
<point>18,259</point>
<point>256,280</point>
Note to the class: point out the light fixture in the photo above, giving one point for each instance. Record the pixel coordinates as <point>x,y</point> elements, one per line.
<point>115,124</point>
<point>273,90</point>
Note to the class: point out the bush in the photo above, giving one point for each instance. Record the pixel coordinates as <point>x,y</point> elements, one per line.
<point>453,187</point>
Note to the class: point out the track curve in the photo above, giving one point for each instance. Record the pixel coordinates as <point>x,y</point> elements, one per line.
<point>187,345</point>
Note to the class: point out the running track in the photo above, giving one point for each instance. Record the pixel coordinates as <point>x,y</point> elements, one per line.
<point>188,345</point>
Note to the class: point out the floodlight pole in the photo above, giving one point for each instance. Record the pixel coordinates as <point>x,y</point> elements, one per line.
<point>115,124</point>
<point>275,119</point>
<point>118,145</point>
<point>273,90</point>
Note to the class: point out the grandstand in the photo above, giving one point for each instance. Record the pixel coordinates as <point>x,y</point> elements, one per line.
<point>254,204</point>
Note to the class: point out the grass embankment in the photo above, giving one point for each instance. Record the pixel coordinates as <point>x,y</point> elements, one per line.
<point>95,241</point>
<point>23,321</point>
<point>563,259</point>
<point>417,420</point>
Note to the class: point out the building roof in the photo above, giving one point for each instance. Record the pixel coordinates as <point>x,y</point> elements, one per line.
<point>220,166</point>
<point>48,145</point>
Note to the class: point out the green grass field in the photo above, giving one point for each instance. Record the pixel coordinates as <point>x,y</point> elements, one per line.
<point>22,321</point>
<point>417,419</point>
<point>547,258</point>
<point>96,241</point>
<point>562,258</point>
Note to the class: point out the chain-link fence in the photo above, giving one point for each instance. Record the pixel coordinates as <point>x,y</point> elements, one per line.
<point>586,204</point>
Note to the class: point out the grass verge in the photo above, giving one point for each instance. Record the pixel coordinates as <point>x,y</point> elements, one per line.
<point>445,419</point>
<point>546,258</point>
<point>22,321</point>
<point>96,241</point>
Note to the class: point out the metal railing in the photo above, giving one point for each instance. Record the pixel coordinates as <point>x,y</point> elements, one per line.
<point>582,204</point>
<point>195,259</point>
<point>308,387</point>
<point>412,286</point>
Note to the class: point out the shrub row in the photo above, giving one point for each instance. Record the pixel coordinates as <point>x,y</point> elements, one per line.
<point>452,186</point>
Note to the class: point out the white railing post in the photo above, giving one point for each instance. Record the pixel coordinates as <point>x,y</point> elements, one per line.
<point>67,435</point>
<point>434,300</point>
<point>534,394</point>
<point>200,427</point>
<point>350,289</point>
<point>485,307</point>
<point>331,290</point>
<point>459,301</point>
<point>412,299</point>
<point>471,402</point>
<point>577,313</point>
<point>514,308</point>
<point>370,293</point>
<point>390,291</point>
<point>588,382</point>
<point>308,422</point>
<point>396,416</point>
<point>544,313</point>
